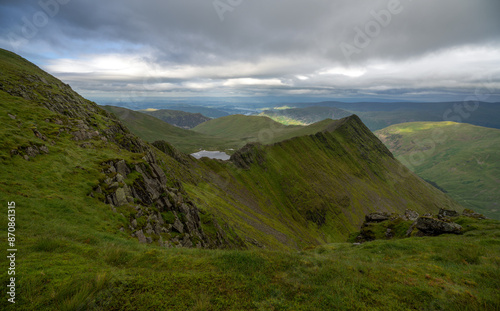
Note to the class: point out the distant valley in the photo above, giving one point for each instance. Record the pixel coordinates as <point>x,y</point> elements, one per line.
<point>462,159</point>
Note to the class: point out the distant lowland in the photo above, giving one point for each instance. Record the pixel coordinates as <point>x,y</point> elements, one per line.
<point>114,212</point>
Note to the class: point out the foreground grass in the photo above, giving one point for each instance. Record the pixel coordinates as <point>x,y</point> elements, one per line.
<point>66,272</point>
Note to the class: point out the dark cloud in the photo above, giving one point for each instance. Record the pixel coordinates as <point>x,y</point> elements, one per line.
<point>188,40</point>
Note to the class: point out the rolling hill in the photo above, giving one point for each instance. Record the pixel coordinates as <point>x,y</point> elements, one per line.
<point>248,129</point>
<point>105,220</point>
<point>151,129</point>
<point>380,115</point>
<point>186,120</point>
<point>462,159</point>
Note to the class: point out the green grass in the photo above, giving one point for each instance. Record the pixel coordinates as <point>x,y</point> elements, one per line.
<point>152,129</point>
<point>443,273</point>
<point>462,159</point>
<point>76,253</point>
<point>178,118</point>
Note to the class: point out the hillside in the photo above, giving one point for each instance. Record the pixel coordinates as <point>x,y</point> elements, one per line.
<point>462,159</point>
<point>380,115</point>
<point>249,129</point>
<point>151,129</point>
<point>304,116</point>
<point>186,120</point>
<point>105,220</point>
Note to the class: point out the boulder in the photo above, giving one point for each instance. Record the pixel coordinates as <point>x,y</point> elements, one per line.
<point>377,217</point>
<point>433,226</point>
<point>470,213</point>
<point>447,213</point>
<point>140,235</point>
<point>411,214</point>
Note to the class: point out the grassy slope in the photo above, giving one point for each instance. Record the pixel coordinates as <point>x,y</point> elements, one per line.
<point>72,254</point>
<point>178,118</point>
<point>374,120</point>
<point>247,129</point>
<point>151,128</point>
<point>316,188</point>
<point>463,159</point>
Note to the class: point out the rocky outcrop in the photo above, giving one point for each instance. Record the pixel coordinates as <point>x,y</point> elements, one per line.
<point>249,154</point>
<point>447,214</point>
<point>432,226</point>
<point>377,217</point>
<point>470,213</point>
<point>29,152</point>
<point>157,212</point>
<point>382,225</point>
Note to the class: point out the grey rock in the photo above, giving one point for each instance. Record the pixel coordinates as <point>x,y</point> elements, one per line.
<point>377,217</point>
<point>411,214</point>
<point>186,241</point>
<point>178,226</point>
<point>149,228</point>
<point>433,226</point>
<point>133,223</point>
<point>122,168</point>
<point>447,213</point>
<point>120,197</point>
<point>472,214</point>
<point>140,235</point>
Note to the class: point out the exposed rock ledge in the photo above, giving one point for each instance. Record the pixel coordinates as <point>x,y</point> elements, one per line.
<point>157,213</point>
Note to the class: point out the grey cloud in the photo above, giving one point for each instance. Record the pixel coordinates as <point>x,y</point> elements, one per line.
<point>308,34</point>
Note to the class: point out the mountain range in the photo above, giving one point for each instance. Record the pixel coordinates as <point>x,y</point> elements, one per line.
<point>107,220</point>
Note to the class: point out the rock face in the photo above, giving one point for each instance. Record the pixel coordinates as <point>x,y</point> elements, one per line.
<point>382,225</point>
<point>249,154</point>
<point>433,226</point>
<point>157,212</point>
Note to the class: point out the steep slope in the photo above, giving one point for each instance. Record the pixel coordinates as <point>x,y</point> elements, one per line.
<point>186,120</point>
<point>462,159</point>
<point>87,192</point>
<point>151,129</point>
<point>327,180</point>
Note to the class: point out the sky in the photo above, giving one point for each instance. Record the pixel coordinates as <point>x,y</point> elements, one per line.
<point>118,50</point>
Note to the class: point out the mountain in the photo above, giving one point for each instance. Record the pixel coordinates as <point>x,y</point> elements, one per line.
<point>151,129</point>
<point>249,129</point>
<point>306,115</point>
<point>380,115</point>
<point>105,220</point>
<point>460,158</point>
<point>186,120</point>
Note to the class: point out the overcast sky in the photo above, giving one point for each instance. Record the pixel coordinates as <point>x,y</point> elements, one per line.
<point>409,50</point>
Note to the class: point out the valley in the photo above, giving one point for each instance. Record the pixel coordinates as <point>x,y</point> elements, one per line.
<point>116,215</point>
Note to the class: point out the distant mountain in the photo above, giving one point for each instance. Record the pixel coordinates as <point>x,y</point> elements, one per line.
<point>462,159</point>
<point>305,116</point>
<point>151,129</point>
<point>186,120</point>
<point>379,115</point>
<point>102,216</point>
<point>248,129</point>
<point>205,111</point>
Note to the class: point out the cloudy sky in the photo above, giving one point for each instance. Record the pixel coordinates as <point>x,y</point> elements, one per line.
<point>401,50</point>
